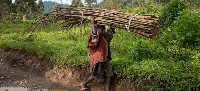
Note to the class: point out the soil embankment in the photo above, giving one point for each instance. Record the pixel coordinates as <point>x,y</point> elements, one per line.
<point>22,69</point>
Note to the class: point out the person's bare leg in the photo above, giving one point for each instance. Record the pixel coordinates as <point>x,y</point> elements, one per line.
<point>108,84</point>
<point>90,79</point>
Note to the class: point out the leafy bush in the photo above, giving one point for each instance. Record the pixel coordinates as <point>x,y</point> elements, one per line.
<point>185,32</point>
<point>14,17</point>
<point>170,13</point>
<point>34,17</point>
<point>145,49</point>
<point>166,76</point>
<point>183,37</point>
<point>179,54</point>
<point>187,29</point>
<point>149,9</point>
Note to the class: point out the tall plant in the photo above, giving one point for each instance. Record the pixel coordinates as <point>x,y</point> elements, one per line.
<point>77,3</point>
<point>187,29</point>
<point>91,3</point>
<point>170,13</point>
<point>40,7</point>
<point>5,7</point>
<point>111,4</point>
<point>25,7</point>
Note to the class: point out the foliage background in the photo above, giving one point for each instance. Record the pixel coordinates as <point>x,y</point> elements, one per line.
<point>171,61</point>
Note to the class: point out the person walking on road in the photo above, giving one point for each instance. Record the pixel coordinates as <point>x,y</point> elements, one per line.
<point>99,54</point>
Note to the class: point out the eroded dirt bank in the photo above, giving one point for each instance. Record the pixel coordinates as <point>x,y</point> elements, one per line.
<point>22,69</point>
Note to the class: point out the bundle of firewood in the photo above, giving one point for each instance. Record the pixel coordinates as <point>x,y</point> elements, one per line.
<point>142,24</point>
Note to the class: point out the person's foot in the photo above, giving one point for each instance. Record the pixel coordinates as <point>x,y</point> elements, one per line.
<point>84,87</point>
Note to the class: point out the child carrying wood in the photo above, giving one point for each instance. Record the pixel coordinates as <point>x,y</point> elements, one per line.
<point>99,54</point>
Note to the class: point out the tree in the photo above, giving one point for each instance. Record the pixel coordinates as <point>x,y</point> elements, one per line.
<point>57,6</point>
<point>91,3</point>
<point>126,3</point>
<point>164,2</point>
<point>170,13</point>
<point>40,7</point>
<point>77,3</point>
<point>197,3</point>
<point>32,8</point>
<point>115,4</point>
<point>111,4</point>
<point>25,7</point>
<point>5,8</point>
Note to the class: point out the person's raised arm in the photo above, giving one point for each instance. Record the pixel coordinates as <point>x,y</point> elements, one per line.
<point>95,37</point>
<point>94,31</point>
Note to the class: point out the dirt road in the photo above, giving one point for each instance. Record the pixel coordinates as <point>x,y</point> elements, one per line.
<point>25,71</point>
<point>13,75</point>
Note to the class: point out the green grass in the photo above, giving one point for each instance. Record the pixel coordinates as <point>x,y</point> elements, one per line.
<point>50,42</point>
<point>149,61</point>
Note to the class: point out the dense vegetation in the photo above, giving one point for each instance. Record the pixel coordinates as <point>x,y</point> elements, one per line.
<point>171,61</point>
<point>20,7</point>
<point>49,4</point>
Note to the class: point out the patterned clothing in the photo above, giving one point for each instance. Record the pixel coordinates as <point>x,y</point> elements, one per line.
<point>98,53</point>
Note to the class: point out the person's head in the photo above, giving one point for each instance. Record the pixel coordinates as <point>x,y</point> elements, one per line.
<point>100,29</point>
<point>109,34</point>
